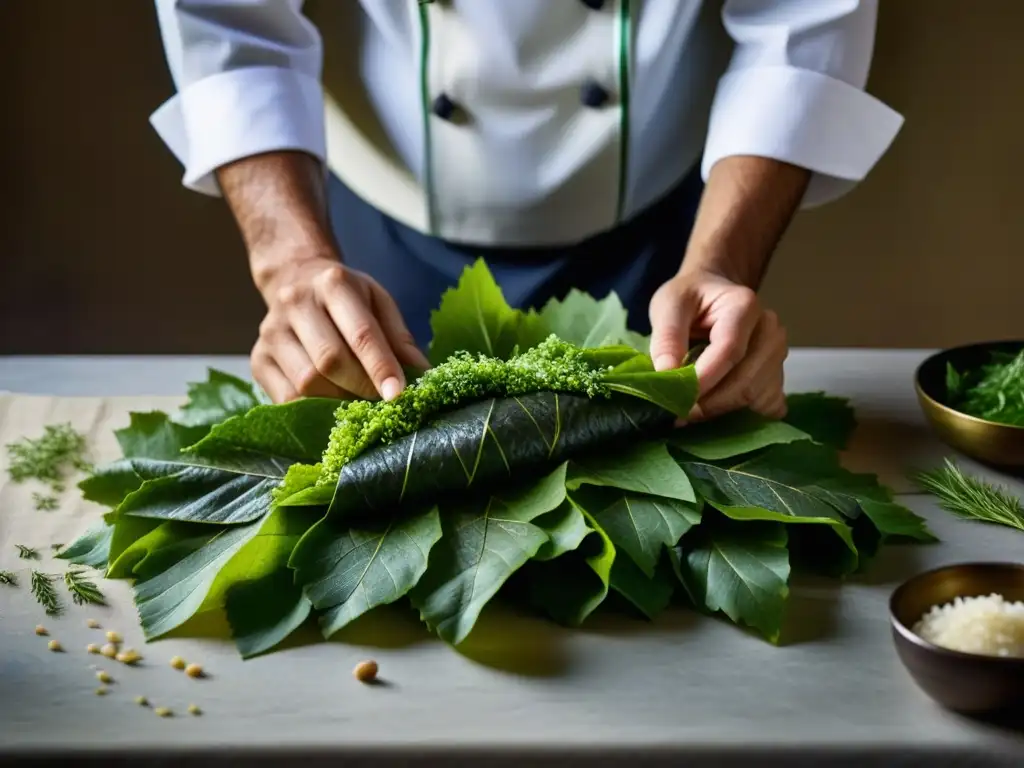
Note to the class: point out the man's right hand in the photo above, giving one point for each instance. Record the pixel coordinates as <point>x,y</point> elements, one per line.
<point>331,331</point>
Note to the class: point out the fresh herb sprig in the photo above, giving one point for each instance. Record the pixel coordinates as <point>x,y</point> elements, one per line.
<point>45,593</point>
<point>972,498</point>
<point>82,589</point>
<point>9,578</point>
<point>48,458</point>
<point>27,553</point>
<point>994,391</point>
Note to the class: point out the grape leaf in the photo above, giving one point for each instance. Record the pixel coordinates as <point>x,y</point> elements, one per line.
<point>741,570</point>
<point>91,548</point>
<point>896,521</point>
<point>582,320</point>
<point>638,525</point>
<point>769,489</point>
<point>649,594</point>
<point>164,544</point>
<point>485,541</point>
<point>216,399</point>
<point>349,571</point>
<point>828,420</point>
<point>675,391</point>
<point>645,467</point>
<point>565,528</point>
<point>173,596</point>
<point>489,443</point>
<point>256,588</point>
<point>474,317</point>
<point>571,587</point>
<point>734,434</point>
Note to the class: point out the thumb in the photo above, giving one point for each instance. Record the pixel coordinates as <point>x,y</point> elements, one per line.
<point>672,311</point>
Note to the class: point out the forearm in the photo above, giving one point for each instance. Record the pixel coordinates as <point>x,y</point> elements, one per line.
<point>279,202</point>
<point>748,203</point>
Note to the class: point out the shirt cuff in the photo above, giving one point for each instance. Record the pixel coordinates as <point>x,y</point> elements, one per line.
<point>801,117</point>
<point>240,113</point>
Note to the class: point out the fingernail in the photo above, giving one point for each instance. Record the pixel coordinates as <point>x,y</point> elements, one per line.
<point>391,388</point>
<point>664,363</point>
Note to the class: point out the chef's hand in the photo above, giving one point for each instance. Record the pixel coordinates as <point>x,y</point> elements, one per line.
<point>331,331</point>
<point>742,365</point>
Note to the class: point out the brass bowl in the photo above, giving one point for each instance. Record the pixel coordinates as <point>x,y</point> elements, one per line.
<point>963,682</point>
<point>1000,445</point>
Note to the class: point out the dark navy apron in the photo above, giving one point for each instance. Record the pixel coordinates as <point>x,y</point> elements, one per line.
<point>633,259</point>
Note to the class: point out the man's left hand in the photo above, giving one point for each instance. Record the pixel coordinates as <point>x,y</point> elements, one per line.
<point>742,364</point>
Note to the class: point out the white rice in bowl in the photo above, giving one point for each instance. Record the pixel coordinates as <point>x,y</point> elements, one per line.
<point>987,625</point>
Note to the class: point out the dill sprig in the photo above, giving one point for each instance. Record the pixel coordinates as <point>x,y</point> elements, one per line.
<point>45,502</point>
<point>972,498</point>
<point>48,458</point>
<point>8,577</point>
<point>994,391</point>
<point>82,589</point>
<point>45,593</point>
<point>27,553</point>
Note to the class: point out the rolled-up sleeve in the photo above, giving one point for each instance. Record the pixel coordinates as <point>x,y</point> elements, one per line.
<point>794,91</point>
<point>247,75</point>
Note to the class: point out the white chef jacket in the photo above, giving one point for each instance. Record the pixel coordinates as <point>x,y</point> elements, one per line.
<point>524,122</point>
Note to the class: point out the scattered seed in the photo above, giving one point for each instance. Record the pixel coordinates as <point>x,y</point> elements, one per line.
<point>41,630</point>
<point>194,670</point>
<point>129,656</point>
<point>114,637</point>
<point>104,677</point>
<point>109,650</point>
<point>365,671</point>
<point>193,709</point>
<point>177,662</point>
<point>142,701</point>
<point>53,645</point>
<point>101,691</point>
<point>92,624</point>
<point>92,648</point>
<point>163,712</point>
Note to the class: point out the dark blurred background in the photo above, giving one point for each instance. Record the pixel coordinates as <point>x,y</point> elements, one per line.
<point>104,252</point>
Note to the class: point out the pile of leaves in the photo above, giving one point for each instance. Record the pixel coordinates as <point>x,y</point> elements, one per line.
<point>565,499</point>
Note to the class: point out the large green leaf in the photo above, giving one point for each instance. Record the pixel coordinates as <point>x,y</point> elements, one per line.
<point>638,525</point>
<point>229,476</point>
<point>734,434</point>
<point>581,319</point>
<point>348,571</point>
<point>741,570</point>
<point>216,399</point>
<point>485,541</point>
<point>565,528</point>
<point>491,443</point>
<point>571,587</point>
<point>144,553</point>
<point>828,420</point>
<point>172,597</point>
<point>645,467</point>
<point>768,488</point>
<point>474,317</point>
<point>676,390</point>
<point>649,594</point>
<point>91,548</point>
<point>256,588</point>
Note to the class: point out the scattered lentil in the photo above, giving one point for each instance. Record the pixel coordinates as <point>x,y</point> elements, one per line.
<point>92,624</point>
<point>193,709</point>
<point>53,645</point>
<point>129,656</point>
<point>194,670</point>
<point>114,637</point>
<point>104,677</point>
<point>101,691</point>
<point>365,671</point>
<point>41,630</point>
<point>92,648</point>
<point>109,650</point>
<point>142,701</point>
<point>177,662</point>
<point>163,712</point>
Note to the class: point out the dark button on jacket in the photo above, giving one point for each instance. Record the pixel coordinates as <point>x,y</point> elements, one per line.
<point>444,107</point>
<point>593,95</point>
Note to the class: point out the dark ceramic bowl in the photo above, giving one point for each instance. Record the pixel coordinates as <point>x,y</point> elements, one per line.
<point>964,682</point>
<point>990,442</point>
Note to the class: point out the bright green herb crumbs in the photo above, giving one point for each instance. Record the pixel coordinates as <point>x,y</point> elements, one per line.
<point>553,365</point>
<point>27,553</point>
<point>9,578</point>
<point>994,391</point>
<point>45,593</point>
<point>48,458</point>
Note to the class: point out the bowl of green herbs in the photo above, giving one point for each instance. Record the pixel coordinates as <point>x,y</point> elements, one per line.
<point>973,397</point>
